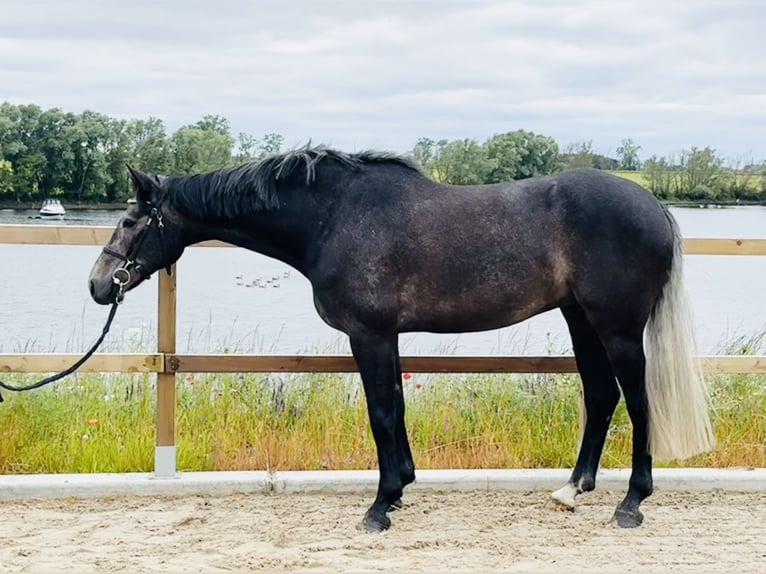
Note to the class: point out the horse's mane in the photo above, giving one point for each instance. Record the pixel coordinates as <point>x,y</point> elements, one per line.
<point>234,191</point>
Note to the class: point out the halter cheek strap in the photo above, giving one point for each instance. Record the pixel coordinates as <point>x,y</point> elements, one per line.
<point>122,274</point>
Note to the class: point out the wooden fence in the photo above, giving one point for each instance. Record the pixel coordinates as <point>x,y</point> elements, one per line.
<point>166,362</point>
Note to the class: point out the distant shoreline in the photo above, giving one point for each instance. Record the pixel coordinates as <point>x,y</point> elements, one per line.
<point>73,207</point>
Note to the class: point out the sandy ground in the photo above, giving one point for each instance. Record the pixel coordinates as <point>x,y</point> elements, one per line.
<point>457,531</point>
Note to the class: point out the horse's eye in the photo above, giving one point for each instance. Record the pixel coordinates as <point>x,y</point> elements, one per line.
<point>128,223</point>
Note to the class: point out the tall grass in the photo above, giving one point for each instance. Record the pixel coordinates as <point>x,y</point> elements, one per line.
<point>98,423</point>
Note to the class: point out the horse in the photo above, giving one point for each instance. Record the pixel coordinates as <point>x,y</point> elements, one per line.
<point>387,250</point>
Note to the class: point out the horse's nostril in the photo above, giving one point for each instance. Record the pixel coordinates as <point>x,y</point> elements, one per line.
<point>92,287</point>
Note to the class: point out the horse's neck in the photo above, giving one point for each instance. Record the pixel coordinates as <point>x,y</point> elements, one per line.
<point>286,233</point>
<point>278,234</point>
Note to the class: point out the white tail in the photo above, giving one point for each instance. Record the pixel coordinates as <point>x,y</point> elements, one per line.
<point>678,401</point>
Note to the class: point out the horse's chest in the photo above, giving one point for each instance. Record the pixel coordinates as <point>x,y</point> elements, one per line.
<point>331,310</point>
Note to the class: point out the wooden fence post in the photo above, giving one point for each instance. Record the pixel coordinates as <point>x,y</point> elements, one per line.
<point>165,447</point>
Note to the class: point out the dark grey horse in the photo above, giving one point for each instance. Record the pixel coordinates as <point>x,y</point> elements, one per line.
<point>389,251</point>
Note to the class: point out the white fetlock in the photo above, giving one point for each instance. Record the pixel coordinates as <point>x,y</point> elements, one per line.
<point>565,496</point>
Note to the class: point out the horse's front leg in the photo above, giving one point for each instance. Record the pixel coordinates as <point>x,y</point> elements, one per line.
<point>406,464</point>
<point>378,362</point>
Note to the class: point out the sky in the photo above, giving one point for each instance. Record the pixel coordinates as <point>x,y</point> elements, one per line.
<point>358,75</point>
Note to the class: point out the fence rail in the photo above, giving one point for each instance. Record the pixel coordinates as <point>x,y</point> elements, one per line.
<point>166,362</point>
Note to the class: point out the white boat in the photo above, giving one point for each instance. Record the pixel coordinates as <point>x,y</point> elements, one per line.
<point>52,209</point>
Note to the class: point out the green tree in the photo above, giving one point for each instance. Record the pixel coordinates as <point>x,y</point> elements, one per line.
<point>100,137</point>
<point>246,149</point>
<point>578,154</point>
<point>20,146</point>
<point>458,162</point>
<point>10,138</point>
<point>519,155</point>
<point>660,177</point>
<point>6,178</point>
<point>250,148</point>
<point>55,133</point>
<point>701,174</point>
<point>270,144</point>
<point>148,145</point>
<point>116,155</point>
<point>581,154</point>
<point>627,154</point>
<point>426,152</point>
<point>463,162</point>
<point>202,147</point>
<point>214,123</point>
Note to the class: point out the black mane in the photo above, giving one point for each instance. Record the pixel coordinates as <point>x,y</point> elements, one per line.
<point>234,191</point>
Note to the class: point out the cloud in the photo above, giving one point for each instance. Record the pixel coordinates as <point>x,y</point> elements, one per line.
<point>381,74</point>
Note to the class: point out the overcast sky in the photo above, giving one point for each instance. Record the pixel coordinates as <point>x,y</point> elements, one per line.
<point>670,74</point>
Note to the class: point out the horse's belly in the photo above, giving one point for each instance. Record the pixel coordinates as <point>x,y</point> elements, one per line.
<point>471,319</point>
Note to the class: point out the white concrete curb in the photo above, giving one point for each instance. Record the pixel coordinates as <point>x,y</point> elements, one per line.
<point>15,487</point>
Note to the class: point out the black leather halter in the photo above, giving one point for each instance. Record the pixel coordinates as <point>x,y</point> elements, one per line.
<point>122,274</point>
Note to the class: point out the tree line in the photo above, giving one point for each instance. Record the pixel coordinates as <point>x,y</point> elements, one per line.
<point>80,158</point>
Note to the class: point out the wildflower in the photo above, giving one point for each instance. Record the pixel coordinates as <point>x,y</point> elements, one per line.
<point>418,386</point>
<point>93,422</point>
<point>407,376</point>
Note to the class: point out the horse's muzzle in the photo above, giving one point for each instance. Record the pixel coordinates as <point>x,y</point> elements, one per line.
<point>103,295</point>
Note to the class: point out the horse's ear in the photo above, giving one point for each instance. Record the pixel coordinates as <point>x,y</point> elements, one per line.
<point>146,187</point>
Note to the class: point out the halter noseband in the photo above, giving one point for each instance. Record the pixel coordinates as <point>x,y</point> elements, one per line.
<point>122,275</point>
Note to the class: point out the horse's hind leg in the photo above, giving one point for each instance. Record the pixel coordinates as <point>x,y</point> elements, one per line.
<point>618,312</point>
<point>626,352</point>
<point>378,362</point>
<point>601,395</point>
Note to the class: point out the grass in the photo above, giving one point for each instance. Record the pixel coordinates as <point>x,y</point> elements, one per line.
<point>105,423</point>
<point>635,176</point>
<point>754,183</point>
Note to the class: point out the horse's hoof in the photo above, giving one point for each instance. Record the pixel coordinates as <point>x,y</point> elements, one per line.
<point>396,505</point>
<point>564,497</point>
<point>372,524</point>
<point>627,518</point>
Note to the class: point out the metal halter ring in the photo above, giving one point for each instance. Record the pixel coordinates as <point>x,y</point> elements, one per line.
<point>117,276</point>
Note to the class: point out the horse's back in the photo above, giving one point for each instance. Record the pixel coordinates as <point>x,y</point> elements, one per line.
<point>426,256</point>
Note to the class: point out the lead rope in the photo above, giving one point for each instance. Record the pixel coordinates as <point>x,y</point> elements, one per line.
<point>121,276</point>
<point>78,364</point>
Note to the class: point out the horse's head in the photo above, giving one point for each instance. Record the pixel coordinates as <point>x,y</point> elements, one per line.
<point>147,238</point>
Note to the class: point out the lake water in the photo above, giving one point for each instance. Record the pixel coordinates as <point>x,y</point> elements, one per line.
<point>46,306</point>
